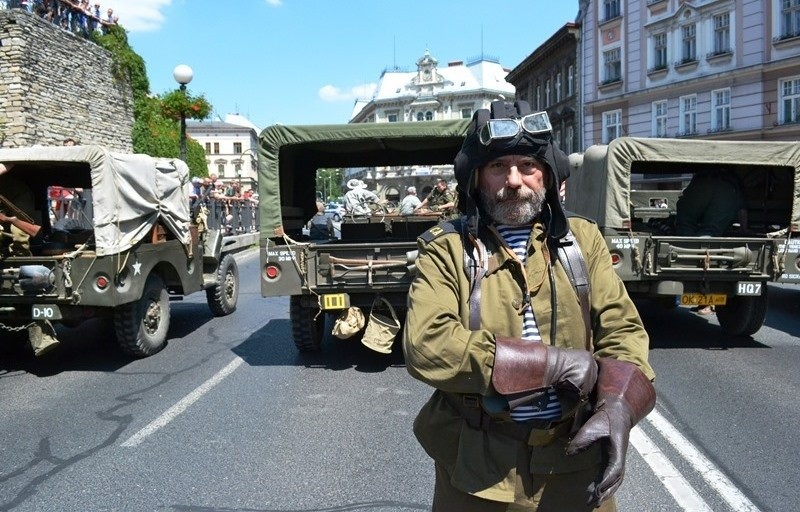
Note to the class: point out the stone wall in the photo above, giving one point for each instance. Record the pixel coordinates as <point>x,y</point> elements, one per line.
<point>55,85</point>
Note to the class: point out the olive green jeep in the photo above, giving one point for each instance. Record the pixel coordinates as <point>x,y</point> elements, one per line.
<point>631,188</point>
<point>374,254</point>
<point>116,241</point>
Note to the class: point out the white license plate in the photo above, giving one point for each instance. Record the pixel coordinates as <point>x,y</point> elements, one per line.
<point>45,312</point>
<point>749,288</point>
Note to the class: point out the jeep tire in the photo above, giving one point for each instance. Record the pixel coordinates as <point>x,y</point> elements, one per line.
<point>142,325</point>
<point>223,296</point>
<point>743,316</point>
<point>308,325</point>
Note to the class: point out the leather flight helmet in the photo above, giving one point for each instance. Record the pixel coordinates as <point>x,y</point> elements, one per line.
<point>474,154</point>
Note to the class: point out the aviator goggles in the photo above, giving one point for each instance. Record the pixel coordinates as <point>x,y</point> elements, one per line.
<point>497,129</point>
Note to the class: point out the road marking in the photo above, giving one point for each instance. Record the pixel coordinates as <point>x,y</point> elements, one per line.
<point>684,494</point>
<point>182,405</point>
<point>707,469</point>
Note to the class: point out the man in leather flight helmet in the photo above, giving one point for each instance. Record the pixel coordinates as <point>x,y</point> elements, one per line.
<point>537,384</point>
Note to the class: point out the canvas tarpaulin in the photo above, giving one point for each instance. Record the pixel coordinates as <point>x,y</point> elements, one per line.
<point>130,192</point>
<point>600,188</point>
<point>289,157</point>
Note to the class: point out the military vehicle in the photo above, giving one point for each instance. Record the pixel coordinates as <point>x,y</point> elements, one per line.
<point>631,187</point>
<point>375,255</point>
<point>117,242</point>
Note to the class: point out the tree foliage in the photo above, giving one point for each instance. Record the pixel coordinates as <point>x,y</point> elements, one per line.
<point>156,128</point>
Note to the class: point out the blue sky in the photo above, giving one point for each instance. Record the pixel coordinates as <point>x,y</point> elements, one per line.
<point>305,61</point>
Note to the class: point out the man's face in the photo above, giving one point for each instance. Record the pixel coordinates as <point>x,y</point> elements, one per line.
<point>512,188</point>
<point>441,186</point>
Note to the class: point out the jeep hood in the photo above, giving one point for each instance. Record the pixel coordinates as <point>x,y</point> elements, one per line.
<point>130,192</point>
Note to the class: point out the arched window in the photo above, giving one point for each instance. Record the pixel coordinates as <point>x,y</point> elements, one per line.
<point>420,116</point>
<point>429,116</point>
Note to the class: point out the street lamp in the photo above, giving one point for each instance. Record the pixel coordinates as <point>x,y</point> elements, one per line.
<point>253,161</point>
<point>183,74</point>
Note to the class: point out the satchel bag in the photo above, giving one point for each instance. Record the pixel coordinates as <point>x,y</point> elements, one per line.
<point>381,329</point>
<point>349,322</point>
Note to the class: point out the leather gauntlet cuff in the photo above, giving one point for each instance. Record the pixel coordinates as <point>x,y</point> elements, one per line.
<point>519,366</point>
<point>620,380</point>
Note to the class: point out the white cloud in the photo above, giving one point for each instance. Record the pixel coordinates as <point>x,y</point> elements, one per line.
<point>139,16</point>
<point>275,2</point>
<point>332,94</point>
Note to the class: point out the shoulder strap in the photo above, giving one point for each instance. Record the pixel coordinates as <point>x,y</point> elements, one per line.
<point>571,258</point>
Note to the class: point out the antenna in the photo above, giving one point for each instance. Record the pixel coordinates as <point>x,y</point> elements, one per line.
<point>481,41</point>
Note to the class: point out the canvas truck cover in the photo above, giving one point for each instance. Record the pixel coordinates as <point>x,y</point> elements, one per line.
<point>130,192</point>
<point>603,182</point>
<point>289,157</point>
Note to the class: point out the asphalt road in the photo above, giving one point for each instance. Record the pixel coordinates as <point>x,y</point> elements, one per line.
<point>228,417</point>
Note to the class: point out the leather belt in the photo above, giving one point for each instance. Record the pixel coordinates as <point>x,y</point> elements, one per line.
<point>534,432</point>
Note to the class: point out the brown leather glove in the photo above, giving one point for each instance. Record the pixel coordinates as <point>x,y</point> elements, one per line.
<point>624,396</point>
<point>522,368</point>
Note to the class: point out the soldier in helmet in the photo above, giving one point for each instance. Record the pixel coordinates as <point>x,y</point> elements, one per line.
<point>540,371</point>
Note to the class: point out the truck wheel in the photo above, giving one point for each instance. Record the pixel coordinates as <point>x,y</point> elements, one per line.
<point>743,316</point>
<point>307,330</point>
<point>142,326</point>
<point>223,296</point>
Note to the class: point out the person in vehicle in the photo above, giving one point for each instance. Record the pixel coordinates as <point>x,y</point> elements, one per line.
<point>440,199</point>
<point>410,202</point>
<point>320,227</point>
<point>712,202</point>
<point>515,353</point>
<point>358,198</point>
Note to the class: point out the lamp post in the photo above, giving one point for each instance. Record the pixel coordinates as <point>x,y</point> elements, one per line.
<point>183,74</point>
<point>253,160</point>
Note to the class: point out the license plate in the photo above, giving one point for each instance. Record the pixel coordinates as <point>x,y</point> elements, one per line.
<point>748,288</point>
<point>332,301</point>
<point>701,299</point>
<point>45,312</point>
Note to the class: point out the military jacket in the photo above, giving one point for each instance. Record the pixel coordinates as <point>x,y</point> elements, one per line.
<point>442,351</point>
<point>437,199</point>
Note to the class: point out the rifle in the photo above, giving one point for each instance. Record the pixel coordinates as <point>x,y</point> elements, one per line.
<point>14,210</point>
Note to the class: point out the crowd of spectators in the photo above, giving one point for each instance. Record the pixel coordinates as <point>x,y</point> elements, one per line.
<point>227,204</point>
<point>79,17</point>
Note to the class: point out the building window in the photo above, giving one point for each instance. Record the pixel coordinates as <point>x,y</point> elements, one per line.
<point>688,122</point>
<point>790,100</point>
<point>660,118</point>
<point>547,96</point>
<point>611,9</point>
<point>612,66</point>
<point>720,110</point>
<point>238,169</point>
<point>558,87</point>
<point>660,51</point>
<point>420,116</point>
<point>221,170</point>
<point>391,117</point>
<point>612,125</point>
<point>689,46</point>
<point>722,33</point>
<point>237,148</point>
<point>570,140</point>
<point>466,113</point>
<point>216,148</point>
<point>557,139</point>
<point>538,97</point>
<point>570,80</point>
<point>429,116</point>
<point>790,18</point>
<point>208,148</point>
